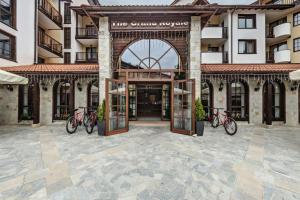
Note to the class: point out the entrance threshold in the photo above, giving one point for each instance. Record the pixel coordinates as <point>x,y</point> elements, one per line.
<point>150,123</point>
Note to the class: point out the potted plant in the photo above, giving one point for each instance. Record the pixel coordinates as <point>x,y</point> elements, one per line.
<point>200,116</point>
<point>101,119</point>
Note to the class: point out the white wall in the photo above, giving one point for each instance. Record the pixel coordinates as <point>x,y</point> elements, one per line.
<point>259,34</point>
<point>24,34</point>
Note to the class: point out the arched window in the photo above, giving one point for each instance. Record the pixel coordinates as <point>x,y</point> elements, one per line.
<point>207,96</point>
<point>25,102</point>
<point>93,95</point>
<point>238,100</point>
<point>63,99</point>
<point>150,54</point>
<point>274,101</point>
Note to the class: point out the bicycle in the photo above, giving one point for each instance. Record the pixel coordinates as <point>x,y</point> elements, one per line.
<point>91,122</point>
<point>227,121</point>
<point>76,120</point>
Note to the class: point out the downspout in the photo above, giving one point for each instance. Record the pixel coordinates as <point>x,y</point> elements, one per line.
<point>231,34</point>
<point>35,30</point>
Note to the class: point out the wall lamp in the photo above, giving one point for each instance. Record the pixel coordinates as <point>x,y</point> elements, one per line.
<point>10,88</point>
<point>44,86</point>
<point>79,86</point>
<point>257,87</point>
<point>294,86</point>
<point>221,86</point>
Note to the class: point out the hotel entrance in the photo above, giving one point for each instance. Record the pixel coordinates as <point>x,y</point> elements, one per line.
<point>149,102</point>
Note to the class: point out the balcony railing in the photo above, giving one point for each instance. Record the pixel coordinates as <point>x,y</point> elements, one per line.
<point>283,29</point>
<point>215,32</point>
<point>87,33</point>
<point>281,56</point>
<point>49,43</point>
<point>213,57</point>
<point>87,57</point>
<point>50,11</point>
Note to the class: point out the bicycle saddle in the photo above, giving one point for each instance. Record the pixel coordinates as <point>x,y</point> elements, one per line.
<point>76,110</point>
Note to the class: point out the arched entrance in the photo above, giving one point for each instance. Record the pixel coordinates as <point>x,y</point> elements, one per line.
<point>149,84</point>
<point>273,102</point>
<point>93,95</point>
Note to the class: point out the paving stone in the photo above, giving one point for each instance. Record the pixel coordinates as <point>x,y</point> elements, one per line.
<point>149,163</point>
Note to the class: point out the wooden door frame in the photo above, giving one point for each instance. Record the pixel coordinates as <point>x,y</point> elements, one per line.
<point>179,131</point>
<point>118,131</point>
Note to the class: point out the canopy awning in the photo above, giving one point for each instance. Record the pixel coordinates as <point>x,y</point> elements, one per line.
<point>295,75</point>
<point>9,78</point>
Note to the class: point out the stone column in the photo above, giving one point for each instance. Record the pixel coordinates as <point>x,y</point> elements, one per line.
<point>220,97</point>
<point>195,53</point>
<point>46,103</point>
<point>255,102</point>
<point>291,105</point>
<point>104,51</point>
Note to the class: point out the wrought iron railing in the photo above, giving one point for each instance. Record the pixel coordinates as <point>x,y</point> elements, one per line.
<point>49,43</point>
<point>50,11</point>
<point>87,57</point>
<point>90,32</point>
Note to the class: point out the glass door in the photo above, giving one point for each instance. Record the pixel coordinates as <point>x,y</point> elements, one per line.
<point>183,101</point>
<point>116,106</point>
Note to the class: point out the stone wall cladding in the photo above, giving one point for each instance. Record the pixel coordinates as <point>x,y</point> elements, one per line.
<point>8,105</point>
<point>195,53</point>
<point>104,55</point>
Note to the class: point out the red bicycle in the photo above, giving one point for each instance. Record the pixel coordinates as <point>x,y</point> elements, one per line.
<point>91,122</point>
<point>79,118</point>
<point>217,119</point>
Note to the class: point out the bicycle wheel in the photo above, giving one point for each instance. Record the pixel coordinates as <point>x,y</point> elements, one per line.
<point>89,125</point>
<point>85,119</point>
<point>230,126</point>
<point>71,125</point>
<point>214,121</point>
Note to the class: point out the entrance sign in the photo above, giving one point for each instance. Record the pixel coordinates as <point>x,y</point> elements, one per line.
<point>151,23</point>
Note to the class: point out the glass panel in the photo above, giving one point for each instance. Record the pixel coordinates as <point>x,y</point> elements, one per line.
<point>150,54</point>
<point>166,109</point>
<point>94,96</point>
<point>117,105</point>
<point>132,102</point>
<point>205,98</point>
<point>242,47</point>
<point>183,105</point>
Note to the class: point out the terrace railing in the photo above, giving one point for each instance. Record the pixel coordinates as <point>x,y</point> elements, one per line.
<point>49,43</point>
<point>50,11</point>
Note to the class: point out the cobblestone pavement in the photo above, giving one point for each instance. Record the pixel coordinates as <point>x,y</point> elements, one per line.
<point>149,163</point>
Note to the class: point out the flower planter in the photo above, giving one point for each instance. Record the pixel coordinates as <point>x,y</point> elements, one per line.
<point>101,128</point>
<point>199,128</point>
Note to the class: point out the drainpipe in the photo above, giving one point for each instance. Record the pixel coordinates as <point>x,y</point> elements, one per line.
<point>231,34</point>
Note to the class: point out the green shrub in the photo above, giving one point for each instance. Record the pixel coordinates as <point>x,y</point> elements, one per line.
<point>199,111</point>
<point>101,111</point>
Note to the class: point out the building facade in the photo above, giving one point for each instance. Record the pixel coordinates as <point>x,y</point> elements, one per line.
<point>150,62</point>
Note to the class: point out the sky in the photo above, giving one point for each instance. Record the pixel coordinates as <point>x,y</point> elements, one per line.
<point>160,2</point>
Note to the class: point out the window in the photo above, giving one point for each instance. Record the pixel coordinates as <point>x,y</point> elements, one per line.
<point>93,95</point>
<point>25,102</point>
<point>207,97</point>
<point>296,19</point>
<point>213,49</point>
<point>150,54</point>
<point>247,46</point>
<point>67,57</point>
<point>279,47</point>
<point>67,38</point>
<point>247,21</point>
<point>7,12</point>
<point>67,13</point>
<point>297,44</point>
<point>7,46</point>
<point>63,99</point>
<point>238,99</point>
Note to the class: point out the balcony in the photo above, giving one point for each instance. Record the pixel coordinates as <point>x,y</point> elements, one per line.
<point>87,36</point>
<point>279,33</point>
<point>214,35</point>
<point>214,57</point>
<point>87,57</point>
<point>49,15</point>
<point>282,56</point>
<point>48,46</point>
